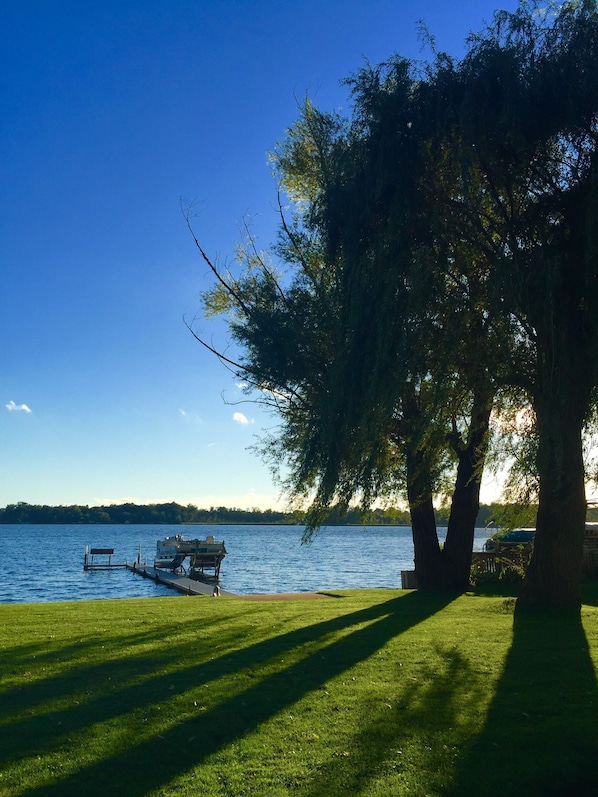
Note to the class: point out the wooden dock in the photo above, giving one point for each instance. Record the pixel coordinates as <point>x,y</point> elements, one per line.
<point>101,559</point>
<point>182,584</point>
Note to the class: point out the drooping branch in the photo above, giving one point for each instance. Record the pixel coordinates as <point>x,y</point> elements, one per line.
<point>226,285</point>
<point>240,370</point>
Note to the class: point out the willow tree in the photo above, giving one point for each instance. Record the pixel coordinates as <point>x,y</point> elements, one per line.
<point>374,347</point>
<point>443,245</point>
<point>524,127</point>
<point>507,153</point>
<point>409,390</point>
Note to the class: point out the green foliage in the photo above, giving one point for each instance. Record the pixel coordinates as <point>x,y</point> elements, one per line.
<point>304,161</point>
<point>513,516</point>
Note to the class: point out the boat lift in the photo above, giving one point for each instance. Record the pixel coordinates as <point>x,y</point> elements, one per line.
<point>105,562</point>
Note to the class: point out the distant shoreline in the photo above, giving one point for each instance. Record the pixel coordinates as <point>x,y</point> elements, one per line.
<point>173,514</point>
<point>186,525</point>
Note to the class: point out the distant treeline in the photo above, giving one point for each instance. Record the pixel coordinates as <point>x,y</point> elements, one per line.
<point>173,514</point>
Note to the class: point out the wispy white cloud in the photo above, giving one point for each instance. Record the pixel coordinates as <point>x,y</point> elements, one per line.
<point>124,499</point>
<point>12,407</point>
<point>190,417</point>
<point>238,417</point>
<point>249,500</point>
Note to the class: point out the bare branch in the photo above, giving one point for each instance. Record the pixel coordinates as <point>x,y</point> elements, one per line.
<point>265,269</point>
<point>227,287</point>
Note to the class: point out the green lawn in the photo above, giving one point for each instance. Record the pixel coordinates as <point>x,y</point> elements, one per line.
<point>377,692</point>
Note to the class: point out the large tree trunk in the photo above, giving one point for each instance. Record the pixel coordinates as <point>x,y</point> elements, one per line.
<point>449,568</point>
<point>565,375</point>
<point>465,504</point>
<point>423,522</point>
<point>553,578</point>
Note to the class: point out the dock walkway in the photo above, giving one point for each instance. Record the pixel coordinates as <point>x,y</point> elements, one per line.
<point>184,585</point>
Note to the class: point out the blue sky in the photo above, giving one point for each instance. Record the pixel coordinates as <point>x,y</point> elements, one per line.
<point>111,112</point>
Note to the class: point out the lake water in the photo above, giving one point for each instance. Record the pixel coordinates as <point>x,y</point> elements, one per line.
<point>45,562</point>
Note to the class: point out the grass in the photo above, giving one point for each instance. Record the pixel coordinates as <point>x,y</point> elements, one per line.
<point>375,693</point>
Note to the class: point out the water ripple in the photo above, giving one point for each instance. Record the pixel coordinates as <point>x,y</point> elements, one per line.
<point>45,562</point>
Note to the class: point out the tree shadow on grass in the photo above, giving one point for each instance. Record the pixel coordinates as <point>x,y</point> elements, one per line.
<point>541,732</point>
<point>140,767</point>
<point>94,665</point>
<point>382,746</point>
<point>88,691</point>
